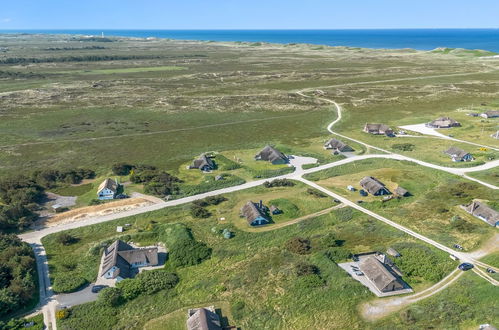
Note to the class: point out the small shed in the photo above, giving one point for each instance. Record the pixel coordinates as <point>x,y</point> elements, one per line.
<point>219,177</point>
<point>351,188</point>
<point>119,229</point>
<point>58,208</point>
<point>401,192</point>
<point>275,210</point>
<point>391,251</point>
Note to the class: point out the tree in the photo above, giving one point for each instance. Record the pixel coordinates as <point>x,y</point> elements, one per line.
<point>188,252</point>
<point>111,297</point>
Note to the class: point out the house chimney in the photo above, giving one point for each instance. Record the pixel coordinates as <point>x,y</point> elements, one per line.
<point>261,204</point>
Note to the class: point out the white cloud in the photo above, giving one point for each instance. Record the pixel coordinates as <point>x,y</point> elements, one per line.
<point>6,20</point>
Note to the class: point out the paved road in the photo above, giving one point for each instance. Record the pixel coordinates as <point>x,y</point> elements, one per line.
<point>421,128</point>
<point>48,302</point>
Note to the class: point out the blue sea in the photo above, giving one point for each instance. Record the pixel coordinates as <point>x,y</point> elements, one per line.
<point>421,39</point>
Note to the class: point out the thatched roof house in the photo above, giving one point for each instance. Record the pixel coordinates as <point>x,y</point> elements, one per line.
<point>272,155</point>
<point>401,192</point>
<point>458,154</point>
<point>337,145</point>
<point>484,212</point>
<point>120,259</point>
<point>374,186</point>
<point>378,129</point>
<point>255,213</point>
<point>107,189</point>
<point>204,318</point>
<point>490,114</point>
<point>379,275</point>
<point>203,163</point>
<point>443,122</point>
<point>394,253</point>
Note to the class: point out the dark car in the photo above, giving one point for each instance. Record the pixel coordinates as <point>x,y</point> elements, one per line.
<point>465,266</point>
<point>362,192</point>
<point>490,270</point>
<point>97,288</point>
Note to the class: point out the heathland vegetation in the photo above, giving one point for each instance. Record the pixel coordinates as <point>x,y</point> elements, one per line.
<point>175,100</point>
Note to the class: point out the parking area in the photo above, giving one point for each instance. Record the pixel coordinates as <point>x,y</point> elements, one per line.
<point>347,266</point>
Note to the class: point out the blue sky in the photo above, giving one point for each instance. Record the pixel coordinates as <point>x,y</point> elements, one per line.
<point>250,14</point>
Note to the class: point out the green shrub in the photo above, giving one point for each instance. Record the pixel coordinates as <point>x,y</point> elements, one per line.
<point>111,297</point>
<point>188,252</point>
<point>156,280</point>
<point>278,183</point>
<point>303,269</point>
<point>338,254</point>
<point>199,212</point>
<point>404,146</point>
<point>298,245</point>
<point>130,288</point>
<point>121,168</point>
<point>68,282</point>
<point>316,193</point>
<point>66,239</point>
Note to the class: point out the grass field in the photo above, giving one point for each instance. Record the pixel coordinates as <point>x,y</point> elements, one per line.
<point>252,271</point>
<point>233,96</point>
<point>430,208</point>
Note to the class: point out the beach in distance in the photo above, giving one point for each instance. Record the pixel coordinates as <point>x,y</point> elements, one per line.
<point>420,39</point>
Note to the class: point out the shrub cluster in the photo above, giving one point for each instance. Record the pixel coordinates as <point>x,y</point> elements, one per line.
<point>198,207</point>
<point>298,245</point>
<point>316,193</point>
<point>147,282</point>
<point>156,182</point>
<point>278,183</point>
<point>404,146</point>
<point>188,252</point>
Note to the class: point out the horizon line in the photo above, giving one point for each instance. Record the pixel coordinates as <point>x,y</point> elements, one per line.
<point>247,29</point>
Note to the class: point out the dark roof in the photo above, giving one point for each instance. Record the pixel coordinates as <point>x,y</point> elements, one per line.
<point>252,211</point>
<point>203,161</point>
<point>109,184</point>
<point>456,152</point>
<point>483,211</point>
<point>378,128</point>
<point>492,113</point>
<point>377,272</point>
<point>271,154</point>
<point>401,191</point>
<point>123,255</point>
<point>337,144</point>
<point>274,208</point>
<point>444,122</point>
<point>203,319</point>
<point>372,185</point>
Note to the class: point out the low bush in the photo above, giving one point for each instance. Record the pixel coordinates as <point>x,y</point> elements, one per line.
<point>68,282</point>
<point>316,193</point>
<point>278,183</point>
<point>66,239</point>
<point>199,212</point>
<point>303,269</point>
<point>188,252</point>
<point>298,245</point>
<point>308,282</point>
<point>111,297</point>
<point>404,146</point>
